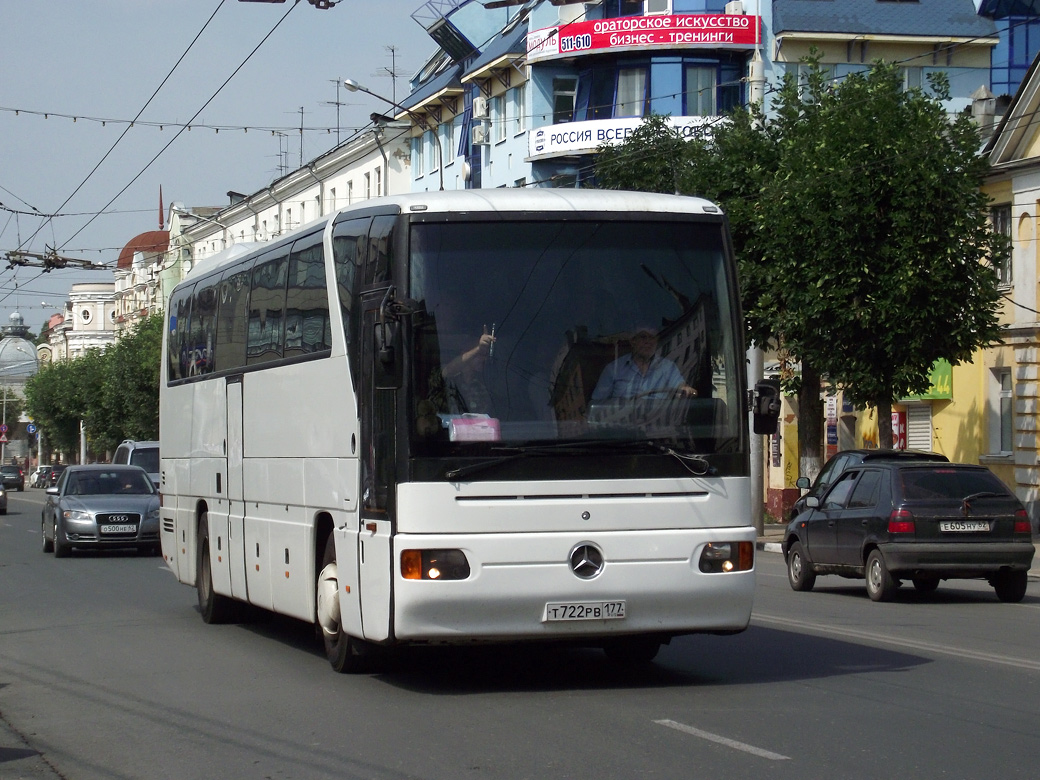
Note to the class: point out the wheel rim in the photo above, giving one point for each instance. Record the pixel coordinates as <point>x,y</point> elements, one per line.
<point>874,575</point>
<point>796,566</point>
<point>328,600</point>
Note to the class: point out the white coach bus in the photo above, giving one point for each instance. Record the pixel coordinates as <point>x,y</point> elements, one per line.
<point>487,415</point>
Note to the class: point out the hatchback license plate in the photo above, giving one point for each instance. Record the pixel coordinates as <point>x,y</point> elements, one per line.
<point>584,610</point>
<point>118,529</point>
<point>964,525</point>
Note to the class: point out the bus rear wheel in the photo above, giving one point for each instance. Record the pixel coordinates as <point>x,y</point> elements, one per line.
<point>215,608</point>
<point>346,654</point>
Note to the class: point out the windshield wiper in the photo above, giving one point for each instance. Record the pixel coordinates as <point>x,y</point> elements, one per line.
<point>557,448</point>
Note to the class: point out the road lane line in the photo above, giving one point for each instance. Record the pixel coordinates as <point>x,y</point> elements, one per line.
<point>755,751</point>
<point>913,644</point>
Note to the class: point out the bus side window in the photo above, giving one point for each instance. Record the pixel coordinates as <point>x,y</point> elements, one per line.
<point>307,299</point>
<point>380,255</point>
<point>232,319</point>
<point>266,335</point>
<point>203,328</point>
<point>348,250</point>
<point>178,324</point>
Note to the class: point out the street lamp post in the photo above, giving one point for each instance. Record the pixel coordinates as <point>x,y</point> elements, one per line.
<point>353,86</point>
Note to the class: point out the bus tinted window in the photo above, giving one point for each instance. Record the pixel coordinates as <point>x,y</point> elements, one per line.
<point>307,300</point>
<point>349,239</point>
<point>572,307</point>
<point>179,322</point>
<point>203,328</point>
<point>380,250</point>
<point>231,328</point>
<point>266,334</point>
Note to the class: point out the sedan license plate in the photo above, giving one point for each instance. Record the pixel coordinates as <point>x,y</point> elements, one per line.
<point>963,525</point>
<point>584,610</point>
<point>118,529</point>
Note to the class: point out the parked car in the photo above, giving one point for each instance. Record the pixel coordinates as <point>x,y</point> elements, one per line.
<point>3,501</point>
<point>13,477</point>
<point>41,477</point>
<point>140,453</point>
<point>53,476</point>
<point>834,467</point>
<point>888,521</point>
<point>101,506</point>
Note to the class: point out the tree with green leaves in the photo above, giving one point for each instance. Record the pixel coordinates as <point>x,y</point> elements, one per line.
<point>861,231</point>
<point>114,392</point>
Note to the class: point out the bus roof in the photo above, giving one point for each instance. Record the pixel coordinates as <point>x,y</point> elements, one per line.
<point>514,200</point>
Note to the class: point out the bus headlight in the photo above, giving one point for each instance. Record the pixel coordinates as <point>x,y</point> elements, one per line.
<point>434,565</point>
<point>720,557</point>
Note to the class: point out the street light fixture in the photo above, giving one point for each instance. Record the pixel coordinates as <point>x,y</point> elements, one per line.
<point>353,86</point>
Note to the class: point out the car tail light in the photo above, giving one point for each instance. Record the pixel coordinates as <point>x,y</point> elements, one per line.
<point>1022,524</point>
<point>901,521</point>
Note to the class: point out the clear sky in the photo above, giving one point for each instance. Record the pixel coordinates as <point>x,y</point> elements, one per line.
<point>92,65</point>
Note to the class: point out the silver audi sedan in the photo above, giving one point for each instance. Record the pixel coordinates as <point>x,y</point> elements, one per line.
<point>101,506</point>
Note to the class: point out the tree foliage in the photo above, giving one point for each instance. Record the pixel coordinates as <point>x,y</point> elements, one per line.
<point>115,392</point>
<point>861,231</point>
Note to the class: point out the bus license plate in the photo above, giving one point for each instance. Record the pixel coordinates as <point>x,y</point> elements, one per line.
<point>964,525</point>
<point>584,610</point>
<point>118,529</point>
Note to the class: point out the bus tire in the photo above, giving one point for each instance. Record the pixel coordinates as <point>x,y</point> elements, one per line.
<point>346,654</point>
<point>214,607</point>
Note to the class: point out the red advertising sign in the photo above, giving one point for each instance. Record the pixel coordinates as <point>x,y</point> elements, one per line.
<point>898,430</point>
<point>656,31</point>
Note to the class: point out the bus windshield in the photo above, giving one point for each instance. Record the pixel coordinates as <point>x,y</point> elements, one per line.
<point>574,329</point>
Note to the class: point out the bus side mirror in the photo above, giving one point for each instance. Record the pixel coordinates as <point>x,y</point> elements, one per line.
<point>766,406</point>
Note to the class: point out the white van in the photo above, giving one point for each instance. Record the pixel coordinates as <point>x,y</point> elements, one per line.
<point>140,453</point>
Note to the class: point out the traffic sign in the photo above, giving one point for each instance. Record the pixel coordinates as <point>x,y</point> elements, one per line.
<point>3,428</point>
<point>30,428</point>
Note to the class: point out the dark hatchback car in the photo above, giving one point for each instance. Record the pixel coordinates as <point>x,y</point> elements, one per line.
<point>13,477</point>
<point>845,459</point>
<point>887,521</point>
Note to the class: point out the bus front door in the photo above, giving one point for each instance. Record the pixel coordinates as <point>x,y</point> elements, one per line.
<point>378,477</point>
<point>236,496</point>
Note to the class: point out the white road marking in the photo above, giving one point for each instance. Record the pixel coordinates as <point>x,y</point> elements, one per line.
<point>755,751</point>
<point>913,644</point>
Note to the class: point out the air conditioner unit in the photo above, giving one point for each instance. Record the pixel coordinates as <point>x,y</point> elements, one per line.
<point>735,8</point>
<point>480,107</point>
<point>481,135</point>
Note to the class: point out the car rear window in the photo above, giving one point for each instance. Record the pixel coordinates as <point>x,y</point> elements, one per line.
<point>926,484</point>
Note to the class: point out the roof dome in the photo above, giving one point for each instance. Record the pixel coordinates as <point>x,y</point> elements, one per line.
<point>154,242</point>
<point>18,359</point>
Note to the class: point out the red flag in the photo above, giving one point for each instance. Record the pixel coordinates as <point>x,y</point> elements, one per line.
<point>162,218</point>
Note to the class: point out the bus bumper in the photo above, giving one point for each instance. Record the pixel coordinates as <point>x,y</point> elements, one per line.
<point>517,583</point>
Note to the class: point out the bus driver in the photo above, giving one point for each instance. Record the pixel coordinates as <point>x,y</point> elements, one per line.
<point>642,372</point>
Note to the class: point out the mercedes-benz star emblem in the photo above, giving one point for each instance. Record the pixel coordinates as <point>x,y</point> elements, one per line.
<point>586,560</point>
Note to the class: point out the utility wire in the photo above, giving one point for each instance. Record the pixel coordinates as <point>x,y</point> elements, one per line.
<point>182,130</point>
<point>127,128</point>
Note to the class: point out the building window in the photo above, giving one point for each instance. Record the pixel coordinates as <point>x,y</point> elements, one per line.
<point>368,186</point>
<point>1000,218</point>
<point>519,120</point>
<point>700,90</point>
<point>615,8</point>
<point>564,90</point>
<point>379,181</point>
<point>498,118</point>
<point>1001,417</point>
<point>418,165</point>
<point>631,92</point>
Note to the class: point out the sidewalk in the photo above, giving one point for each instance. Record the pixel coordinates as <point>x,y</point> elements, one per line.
<point>773,535</point>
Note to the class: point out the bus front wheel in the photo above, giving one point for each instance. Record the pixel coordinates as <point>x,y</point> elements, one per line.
<point>214,607</point>
<point>345,653</point>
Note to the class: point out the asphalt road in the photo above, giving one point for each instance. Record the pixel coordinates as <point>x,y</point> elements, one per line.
<point>107,671</point>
